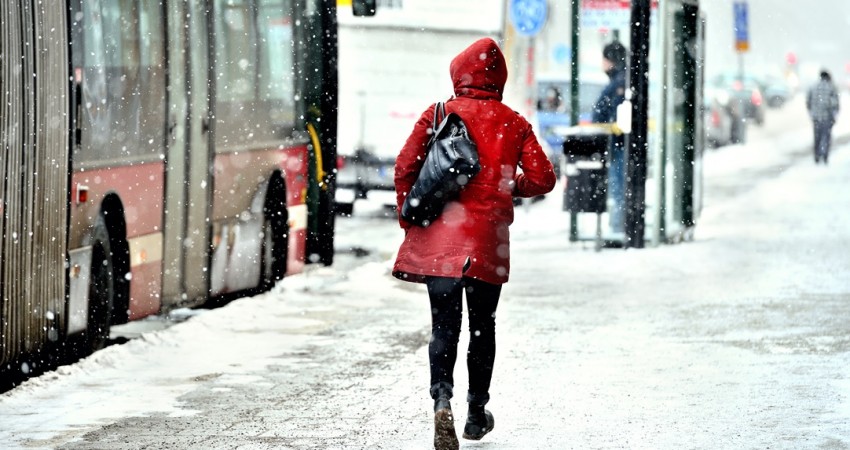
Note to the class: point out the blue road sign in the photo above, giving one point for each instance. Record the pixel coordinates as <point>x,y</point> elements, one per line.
<point>528,16</point>
<point>562,53</point>
<point>742,38</point>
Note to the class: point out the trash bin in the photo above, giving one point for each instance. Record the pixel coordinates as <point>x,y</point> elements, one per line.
<point>585,152</point>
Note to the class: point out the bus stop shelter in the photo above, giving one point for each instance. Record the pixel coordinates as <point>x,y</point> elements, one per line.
<point>664,83</point>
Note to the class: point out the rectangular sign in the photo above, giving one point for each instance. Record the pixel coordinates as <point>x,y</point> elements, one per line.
<point>608,14</point>
<point>611,4</point>
<point>742,38</point>
<point>481,16</point>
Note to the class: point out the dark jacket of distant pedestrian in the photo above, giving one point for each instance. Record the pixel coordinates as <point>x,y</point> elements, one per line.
<point>467,248</point>
<point>823,104</point>
<point>614,65</point>
<point>605,111</point>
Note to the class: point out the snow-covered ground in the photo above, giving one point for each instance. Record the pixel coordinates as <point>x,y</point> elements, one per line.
<point>738,339</point>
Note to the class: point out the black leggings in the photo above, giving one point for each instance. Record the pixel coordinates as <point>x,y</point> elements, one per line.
<point>446,312</point>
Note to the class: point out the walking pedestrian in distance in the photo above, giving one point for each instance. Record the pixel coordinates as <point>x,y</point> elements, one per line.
<point>822,103</point>
<point>466,248</point>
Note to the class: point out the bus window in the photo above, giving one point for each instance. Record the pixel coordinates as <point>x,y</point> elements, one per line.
<point>255,87</point>
<point>123,94</point>
<point>152,79</point>
<point>277,80</point>
<point>235,52</point>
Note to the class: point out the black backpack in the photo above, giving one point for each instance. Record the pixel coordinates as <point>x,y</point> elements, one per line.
<point>452,160</point>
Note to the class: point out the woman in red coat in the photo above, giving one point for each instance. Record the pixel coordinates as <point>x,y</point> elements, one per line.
<point>468,246</point>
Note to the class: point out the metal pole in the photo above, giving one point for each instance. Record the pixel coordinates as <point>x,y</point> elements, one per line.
<point>691,90</point>
<point>741,65</point>
<point>637,149</point>
<point>574,63</point>
<point>574,92</point>
<point>323,244</point>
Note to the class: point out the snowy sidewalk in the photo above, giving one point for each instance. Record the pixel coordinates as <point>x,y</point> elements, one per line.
<point>736,340</point>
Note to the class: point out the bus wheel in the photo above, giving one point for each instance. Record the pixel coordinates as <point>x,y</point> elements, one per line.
<point>101,292</point>
<point>275,237</point>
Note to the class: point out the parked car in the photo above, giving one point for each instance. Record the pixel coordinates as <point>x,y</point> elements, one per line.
<point>749,95</point>
<point>776,91</point>
<point>746,91</point>
<point>718,122</point>
<point>724,121</point>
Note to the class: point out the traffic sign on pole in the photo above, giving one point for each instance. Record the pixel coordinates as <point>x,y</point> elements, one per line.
<point>528,16</point>
<point>742,37</point>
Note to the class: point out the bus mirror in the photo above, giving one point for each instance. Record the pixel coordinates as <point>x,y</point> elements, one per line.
<point>364,7</point>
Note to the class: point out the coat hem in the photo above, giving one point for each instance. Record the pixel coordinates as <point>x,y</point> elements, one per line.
<point>421,278</point>
<point>409,277</point>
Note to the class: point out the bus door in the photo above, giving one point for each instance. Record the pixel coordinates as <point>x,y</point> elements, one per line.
<point>189,185</point>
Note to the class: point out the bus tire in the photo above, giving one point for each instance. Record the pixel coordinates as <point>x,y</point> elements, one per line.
<point>120,260</point>
<point>275,236</point>
<point>101,291</point>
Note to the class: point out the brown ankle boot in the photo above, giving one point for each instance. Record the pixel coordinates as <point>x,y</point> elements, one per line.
<point>445,436</point>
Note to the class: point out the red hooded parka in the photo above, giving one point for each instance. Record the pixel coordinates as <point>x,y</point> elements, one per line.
<point>471,238</point>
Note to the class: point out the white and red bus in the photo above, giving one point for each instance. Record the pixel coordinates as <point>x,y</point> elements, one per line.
<point>156,154</point>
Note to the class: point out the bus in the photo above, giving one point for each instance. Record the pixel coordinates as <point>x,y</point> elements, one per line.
<point>154,155</point>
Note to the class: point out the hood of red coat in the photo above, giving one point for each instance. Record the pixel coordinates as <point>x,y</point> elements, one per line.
<point>480,71</point>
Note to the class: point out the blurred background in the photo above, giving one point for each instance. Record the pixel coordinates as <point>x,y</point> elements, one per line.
<point>716,71</point>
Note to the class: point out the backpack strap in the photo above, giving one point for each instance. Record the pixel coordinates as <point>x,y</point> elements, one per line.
<point>439,115</point>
